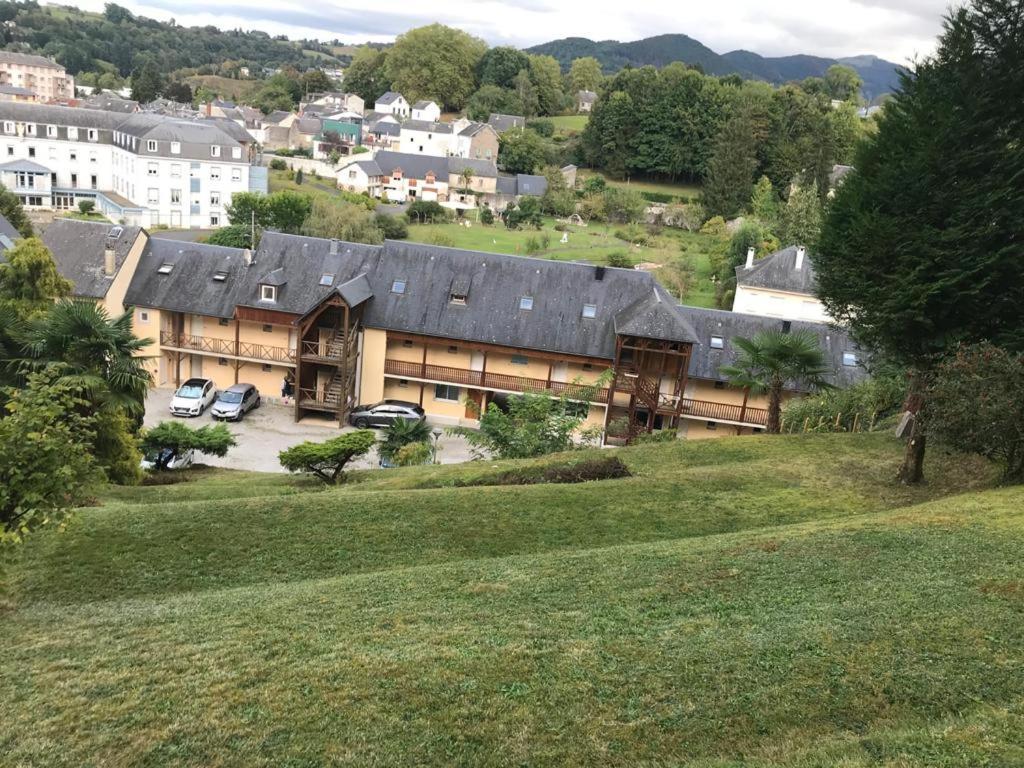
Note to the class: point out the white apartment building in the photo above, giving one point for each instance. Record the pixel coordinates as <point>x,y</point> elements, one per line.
<point>141,169</point>
<point>44,77</point>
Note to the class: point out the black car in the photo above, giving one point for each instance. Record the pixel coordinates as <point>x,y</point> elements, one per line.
<point>382,414</point>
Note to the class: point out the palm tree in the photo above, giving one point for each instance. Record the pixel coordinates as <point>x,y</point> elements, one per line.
<point>400,433</point>
<point>772,359</point>
<point>100,354</point>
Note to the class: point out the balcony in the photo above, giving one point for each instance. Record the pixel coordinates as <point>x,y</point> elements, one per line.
<point>227,348</point>
<point>699,409</point>
<point>486,380</point>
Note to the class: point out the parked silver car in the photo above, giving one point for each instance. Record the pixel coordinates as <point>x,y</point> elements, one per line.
<point>383,413</point>
<point>236,401</point>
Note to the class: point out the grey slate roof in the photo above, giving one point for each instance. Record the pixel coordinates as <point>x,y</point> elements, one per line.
<point>310,125</point>
<point>502,123</point>
<point>778,272</point>
<point>110,102</point>
<point>531,185</point>
<point>389,98</point>
<point>706,361</point>
<point>586,96</point>
<point>506,185</point>
<point>627,301</point>
<point>473,129</point>
<point>426,126</point>
<point>417,166</point>
<point>13,57</point>
<point>8,235</point>
<point>24,166</point>
<point>385,128</point>
<point>423,104</point>
<point>78,249</point>
<point>369,167</point>
<point>276,117</point>
<point>15,90</point>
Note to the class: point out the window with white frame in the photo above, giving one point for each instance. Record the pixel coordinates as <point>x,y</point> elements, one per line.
<point>215,172</point>
<point>30,129</point>
<point>143,316</point>
<point>153,196</point>
<point>73,133</point>
<point>175,197</point>
<point>268,293</point>
<point>175,170</point>
<point>8,126</point>
<point>215,198</point>
<point>236,174</point>
<point>717,342</point>
<point>51,131</point>
<point>152,169</point>
<point>214,219</point>
<point>175,147</point>
<point>214,150</point>
<point>446,392</point>
<point>93,134</point>
<point>236,153</point>
<point>151,145</point>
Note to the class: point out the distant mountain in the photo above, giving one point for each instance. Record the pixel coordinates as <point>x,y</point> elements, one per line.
<point>879,76</point>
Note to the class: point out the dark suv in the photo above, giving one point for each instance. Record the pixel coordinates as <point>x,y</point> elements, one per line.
<point>382,414</point>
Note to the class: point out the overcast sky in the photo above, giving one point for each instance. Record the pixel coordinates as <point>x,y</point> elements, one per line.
<point>897,30</point>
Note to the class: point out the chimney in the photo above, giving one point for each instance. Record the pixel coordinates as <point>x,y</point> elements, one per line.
<point>750,259</point>
<point>334,247</point>
<point>108,262</point>
<point>800,251</point>
<point>247,257</point>
<point>599,273</point>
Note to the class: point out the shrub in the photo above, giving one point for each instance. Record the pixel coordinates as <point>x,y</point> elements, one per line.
<point>532,246</point>
<point>594,185</point>
<point>623,205</point>
<point>976,404</point>
<point>359,150</point>
<point>392,227</point>
<point>401,433</point>
<point>635,234</point>
<point>423,211</point>
<point>587,470</point>
<point>486,216</point>
<point>327,460</point>
<point>85,207</point>
<point>658,197</point>
<point>657,436</point>
<point>413,454</point>
<point>442,239</point>
<point>559,227</point>
<point>865,405</point>
<point>714,226</point>
<point>545,241</point>
<point>277,164</point>
<point>542,127</point>
<point>620,259</point>
<point>298,176</point>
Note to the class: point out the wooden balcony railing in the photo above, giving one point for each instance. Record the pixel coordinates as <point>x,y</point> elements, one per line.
<point>227,347</point>
<point>712,411</point>
<point>488,380</point>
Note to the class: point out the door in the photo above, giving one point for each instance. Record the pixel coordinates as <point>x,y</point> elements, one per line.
<point>176,219</point>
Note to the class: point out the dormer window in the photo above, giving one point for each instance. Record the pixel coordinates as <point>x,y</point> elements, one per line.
<point>165,269</point>
<point>268,293</point>
<point>717,342</point>
<point>214,151</point>
<point>849,359</point>
<point>326,279</point>
<point>458,298</point>
<point>590,311</point>
<point>398,286</point>
<point>175,147</point>
<point>526,302</point>
<point>151,145</point>
<point>220,276</point>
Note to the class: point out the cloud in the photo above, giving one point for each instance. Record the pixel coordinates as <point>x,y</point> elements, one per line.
<point>897,31</point>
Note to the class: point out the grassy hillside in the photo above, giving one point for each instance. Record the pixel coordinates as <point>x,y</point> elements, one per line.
<point>758,602</point>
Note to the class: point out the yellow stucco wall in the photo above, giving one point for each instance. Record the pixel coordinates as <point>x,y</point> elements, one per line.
<point>114,300</point>
<point>371,379</point>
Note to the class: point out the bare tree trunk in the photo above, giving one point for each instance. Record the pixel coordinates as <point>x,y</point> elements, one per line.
<point>912,470</point>
<point>774,425</point>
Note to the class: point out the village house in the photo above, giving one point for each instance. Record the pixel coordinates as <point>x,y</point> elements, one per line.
<point>476,140</point>
<point>442,327</point>
<point>16,93</point>
<point>510,188</point>
<point>781,284</point>
<point>426,111</point>
<point>585,101</point>
<point>139,169</point>
<point>382,131</point>
<point>420,138</point>
<point>393,103</point>
<point>43,77</point>
<point>403,177</point>
<point>334,102</point>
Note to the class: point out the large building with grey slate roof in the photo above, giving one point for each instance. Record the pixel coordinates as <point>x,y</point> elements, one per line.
<point>140,169</point>
<point>449,329</point>
<point>781,284</point>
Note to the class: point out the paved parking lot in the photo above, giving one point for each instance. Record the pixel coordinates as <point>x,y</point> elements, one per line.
<point>270,429</point>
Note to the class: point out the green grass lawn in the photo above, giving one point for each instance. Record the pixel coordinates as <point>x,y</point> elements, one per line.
<point>755,602</point>
<point>568,124</point>
<point>679,189</point>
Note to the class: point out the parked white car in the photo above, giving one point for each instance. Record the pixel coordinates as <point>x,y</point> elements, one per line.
<point>167,458</point>
<point>193,397</point>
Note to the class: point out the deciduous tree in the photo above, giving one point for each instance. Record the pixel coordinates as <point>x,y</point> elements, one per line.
<point>585,74</point>
<point>435,62</point>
